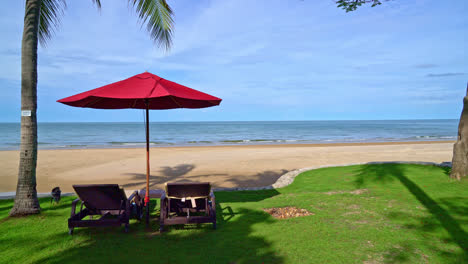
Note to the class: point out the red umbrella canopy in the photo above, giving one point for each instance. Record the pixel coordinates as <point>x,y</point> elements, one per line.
<point>143,91</point>
<point>135,91</point>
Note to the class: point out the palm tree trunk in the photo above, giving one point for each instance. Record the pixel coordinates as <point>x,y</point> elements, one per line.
<point>460,149</point>
<point>26,195</point>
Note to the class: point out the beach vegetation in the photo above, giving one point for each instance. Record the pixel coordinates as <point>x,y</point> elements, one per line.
<point>41,19</point>
<point>373,213</point>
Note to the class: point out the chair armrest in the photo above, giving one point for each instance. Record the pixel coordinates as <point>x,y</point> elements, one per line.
<point>213,200</point>
<point>134,193</point>
<point>127,209</point>
<point>73,209</point>
<point>163,207</point>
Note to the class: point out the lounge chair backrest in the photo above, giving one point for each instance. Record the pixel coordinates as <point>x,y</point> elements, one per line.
<point>186,190</point>
<point>101,196</point>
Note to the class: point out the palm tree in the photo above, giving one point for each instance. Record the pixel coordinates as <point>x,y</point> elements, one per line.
<point>40,19</point>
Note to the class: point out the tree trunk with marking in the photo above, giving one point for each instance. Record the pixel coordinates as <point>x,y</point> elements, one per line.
<point>460,149</point>
<point>26,201</point>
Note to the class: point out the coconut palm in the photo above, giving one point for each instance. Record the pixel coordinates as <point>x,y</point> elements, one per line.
<point>41,18</point>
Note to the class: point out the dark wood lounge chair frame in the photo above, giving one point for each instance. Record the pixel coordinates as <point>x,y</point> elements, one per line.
<point>107,217</point>
<point>205,205</point>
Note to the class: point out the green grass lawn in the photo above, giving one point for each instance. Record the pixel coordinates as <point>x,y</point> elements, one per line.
<point>402,213</point>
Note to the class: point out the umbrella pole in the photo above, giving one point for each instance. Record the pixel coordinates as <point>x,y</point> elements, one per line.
<point>147,200</point>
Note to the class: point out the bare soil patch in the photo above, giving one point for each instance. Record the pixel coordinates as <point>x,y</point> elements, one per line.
<point>356,192</point>
<point>287,212</point>
<point>351,213</point>
<point>361,222</point>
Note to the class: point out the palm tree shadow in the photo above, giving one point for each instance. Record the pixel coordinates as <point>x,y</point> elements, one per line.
<point>174,174</point>
<point>440,217</point>
<point>177,171</point>
<point>166,174</point>
<point>5,208</point>
<point>52,206</point>
<point>266,178</point>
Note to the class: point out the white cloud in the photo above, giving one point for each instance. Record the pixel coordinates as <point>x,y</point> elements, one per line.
<point>300,55</point>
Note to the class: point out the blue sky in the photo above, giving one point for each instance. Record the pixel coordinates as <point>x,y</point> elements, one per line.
<point>267,60</point>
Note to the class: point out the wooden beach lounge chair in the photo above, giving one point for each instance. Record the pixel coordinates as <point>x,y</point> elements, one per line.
<point>108,201</point>
<point>187,203</point>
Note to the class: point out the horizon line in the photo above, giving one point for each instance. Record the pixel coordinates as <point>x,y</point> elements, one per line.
<point>311,120</point>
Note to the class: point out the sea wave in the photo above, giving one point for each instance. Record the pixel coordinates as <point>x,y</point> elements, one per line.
<point>435,137</point>
<point>260,141</point>
<point>123,143</point>
<point>200,142</point>
<point>129,135</point>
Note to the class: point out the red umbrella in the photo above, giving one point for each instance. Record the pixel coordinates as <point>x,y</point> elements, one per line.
<point>142,91</point>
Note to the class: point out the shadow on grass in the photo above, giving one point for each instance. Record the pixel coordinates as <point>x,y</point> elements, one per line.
<point>224,214</point>
<point>245,196</point>
<point>232,242</point>
<point>440,217</point>
<point>4,208</point>
<point>46,205</point>
<point>447,170</point>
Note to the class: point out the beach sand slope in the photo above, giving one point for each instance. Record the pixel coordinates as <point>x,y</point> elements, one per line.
<point>223,166</point>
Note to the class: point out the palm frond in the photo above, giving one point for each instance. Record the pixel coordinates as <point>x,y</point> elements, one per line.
<point>49,19</point>
<point>51,14</point>
<point>157,15</point>
<point>97,3</point>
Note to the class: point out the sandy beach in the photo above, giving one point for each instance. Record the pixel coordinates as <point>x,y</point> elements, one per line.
<point>223,166</point>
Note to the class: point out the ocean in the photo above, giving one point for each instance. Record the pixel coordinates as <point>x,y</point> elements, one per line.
<point>111,135</point>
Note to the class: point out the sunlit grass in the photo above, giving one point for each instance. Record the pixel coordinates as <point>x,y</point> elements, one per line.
<point>378,213</point>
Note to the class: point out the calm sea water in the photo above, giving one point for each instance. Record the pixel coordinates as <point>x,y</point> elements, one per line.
<point>98,135</point>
